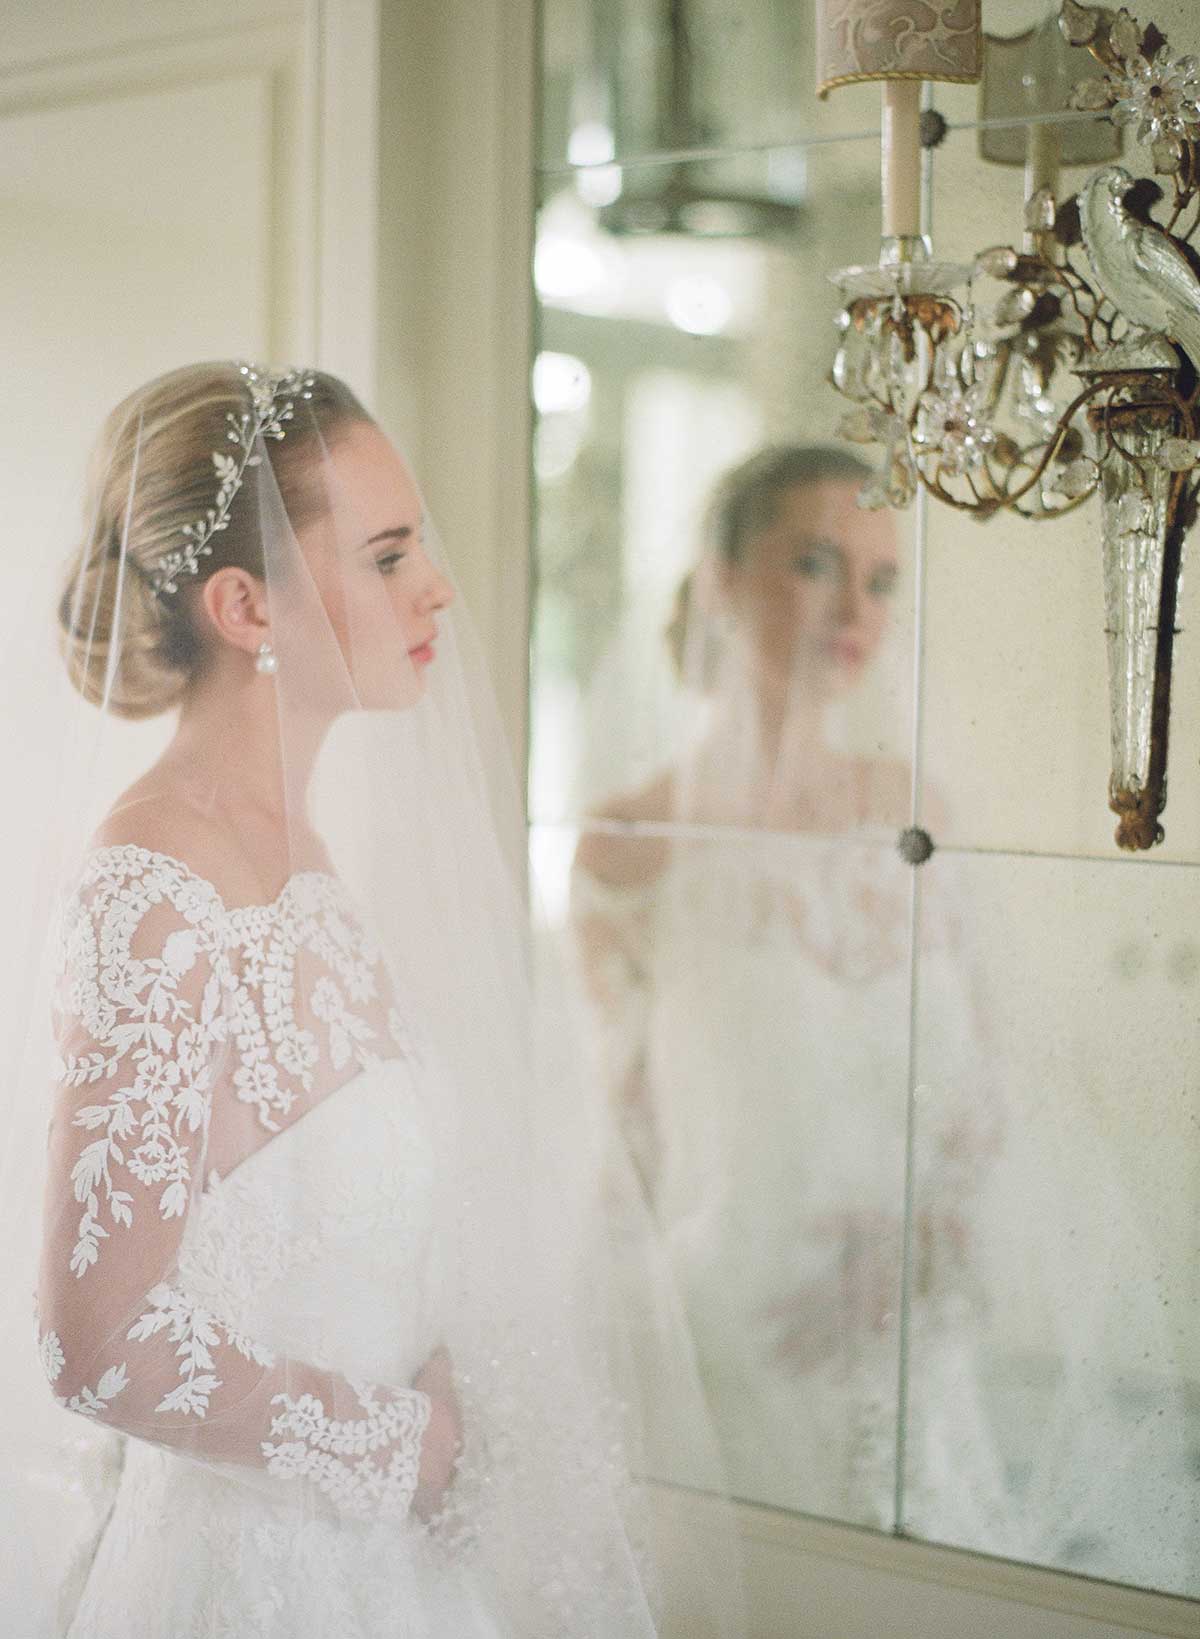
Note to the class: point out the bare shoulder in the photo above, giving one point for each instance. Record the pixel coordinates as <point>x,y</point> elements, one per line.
<point>631,858</point>
<point>161,821</point>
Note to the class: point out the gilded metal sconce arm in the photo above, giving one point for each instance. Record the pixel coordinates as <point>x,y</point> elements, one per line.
<point>975,396</point>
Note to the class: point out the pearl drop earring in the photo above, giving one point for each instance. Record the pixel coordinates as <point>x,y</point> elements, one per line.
<point>266,661</point>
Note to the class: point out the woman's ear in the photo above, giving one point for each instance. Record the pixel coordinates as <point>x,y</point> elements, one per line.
<point>235,602</point>
<point>713,584</point>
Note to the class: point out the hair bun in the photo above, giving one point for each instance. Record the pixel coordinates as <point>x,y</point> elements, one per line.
<point>154,660</point>
<point>150,477</point>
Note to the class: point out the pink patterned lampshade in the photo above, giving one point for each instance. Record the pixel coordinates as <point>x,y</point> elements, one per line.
<point>896,40</point>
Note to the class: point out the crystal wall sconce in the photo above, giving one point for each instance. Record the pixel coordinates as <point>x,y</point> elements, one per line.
<point>1038,376</point>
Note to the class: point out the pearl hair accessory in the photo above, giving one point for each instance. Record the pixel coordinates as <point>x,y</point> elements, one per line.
<point>273,396</point>
<point>266,660</point>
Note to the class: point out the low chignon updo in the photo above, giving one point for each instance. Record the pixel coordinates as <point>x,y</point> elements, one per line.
<point>170,428</point>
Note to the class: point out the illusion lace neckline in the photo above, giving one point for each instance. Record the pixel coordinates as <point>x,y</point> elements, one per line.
<point>129,850</point>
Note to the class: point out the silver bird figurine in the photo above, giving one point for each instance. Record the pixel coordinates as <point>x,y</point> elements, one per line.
<point>1138,267</point>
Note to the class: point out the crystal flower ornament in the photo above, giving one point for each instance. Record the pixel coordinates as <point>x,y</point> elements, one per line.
<point>1147,89</point>
<point>952,419</point>
<point>1160,97</point>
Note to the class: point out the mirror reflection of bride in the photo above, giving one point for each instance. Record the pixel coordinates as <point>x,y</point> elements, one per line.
<point>744,924</point>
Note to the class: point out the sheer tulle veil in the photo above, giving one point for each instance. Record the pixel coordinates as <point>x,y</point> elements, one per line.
<point>291,1160</point>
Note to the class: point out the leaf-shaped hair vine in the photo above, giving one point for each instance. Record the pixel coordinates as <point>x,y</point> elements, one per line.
<point>273,396</point>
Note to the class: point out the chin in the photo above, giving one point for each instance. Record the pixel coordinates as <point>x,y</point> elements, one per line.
<point>402,699</point>
<point>842,679</point>
<point>822,679</point>
<point>392,694</point>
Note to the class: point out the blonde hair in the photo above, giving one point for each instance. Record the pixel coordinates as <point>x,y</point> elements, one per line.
<point>744,500</point>
<point>170,428</point>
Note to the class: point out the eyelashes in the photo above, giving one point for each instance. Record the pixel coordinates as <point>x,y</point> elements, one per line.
<point>388,563</point>
<point>817,566</point>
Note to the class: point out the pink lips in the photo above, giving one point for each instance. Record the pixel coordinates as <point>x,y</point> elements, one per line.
<point>423,654</point>
<point>845,650</point>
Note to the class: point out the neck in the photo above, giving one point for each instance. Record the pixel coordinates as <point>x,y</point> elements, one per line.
<point>228,741</point>
<point>790,715</point>
<point>762,772</point>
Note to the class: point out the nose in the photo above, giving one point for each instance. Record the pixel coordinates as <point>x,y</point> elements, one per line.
<point>848,604</point>
<point>439,591</point>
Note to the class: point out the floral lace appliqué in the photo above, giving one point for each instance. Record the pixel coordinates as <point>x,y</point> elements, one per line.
<point>154,1050</point>
<point>319,1446</point>
<point>172,1012</point>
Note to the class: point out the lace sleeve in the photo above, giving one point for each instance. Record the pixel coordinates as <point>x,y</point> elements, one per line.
<point>147,1029</point>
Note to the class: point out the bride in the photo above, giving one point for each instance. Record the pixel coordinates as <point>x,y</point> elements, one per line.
<point>304,1281</point>
<point>743,923</point>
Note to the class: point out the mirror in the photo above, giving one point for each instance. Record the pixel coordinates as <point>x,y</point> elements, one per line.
<point>919,1132</point>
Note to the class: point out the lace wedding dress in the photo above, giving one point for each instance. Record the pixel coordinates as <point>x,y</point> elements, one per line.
<point>261,1346</point>
<point>754,1004</point>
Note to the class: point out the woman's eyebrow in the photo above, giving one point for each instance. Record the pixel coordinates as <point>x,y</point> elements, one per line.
<point>399,532</point>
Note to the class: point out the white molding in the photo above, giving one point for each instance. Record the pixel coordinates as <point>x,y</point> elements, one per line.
<point>513,493</point>
<point>284,54</point>
<point>347,187</point>
<point>149,65</point>
<point>781,1577</point>
<point>102,31</point>
<point>458,179</point>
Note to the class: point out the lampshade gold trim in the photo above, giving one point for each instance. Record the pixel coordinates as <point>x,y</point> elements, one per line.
<point>826,86</point>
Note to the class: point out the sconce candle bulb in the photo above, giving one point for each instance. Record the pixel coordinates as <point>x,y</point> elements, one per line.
<point>901,159</point>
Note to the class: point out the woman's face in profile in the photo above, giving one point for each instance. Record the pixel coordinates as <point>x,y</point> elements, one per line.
<point>380,590</point>
<point>812,590</point>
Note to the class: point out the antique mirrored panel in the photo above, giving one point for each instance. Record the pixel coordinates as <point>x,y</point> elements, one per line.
<point>650,76</point>
<point>741,920</point>
<point>903,1049</point>
<point>1053,1285</point>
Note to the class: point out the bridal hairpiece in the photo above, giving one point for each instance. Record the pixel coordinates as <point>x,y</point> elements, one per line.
<point>273,396</point>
